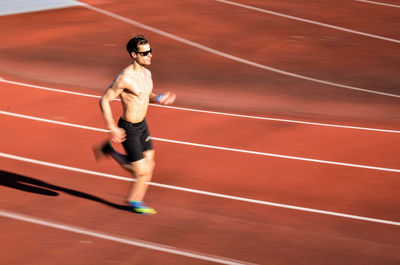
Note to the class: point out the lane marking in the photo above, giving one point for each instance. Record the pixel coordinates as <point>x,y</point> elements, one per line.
<point>52,121</point>
<point>212,194</point>
<point>210,146</point>
<point>122,240</point>
<point>214,112</point>
<point>378,3</point>
<point>229,56</point>
<point>49,89</point>
<point>308,21</point>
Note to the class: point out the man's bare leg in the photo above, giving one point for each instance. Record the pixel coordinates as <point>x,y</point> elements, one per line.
<point>143,172</point>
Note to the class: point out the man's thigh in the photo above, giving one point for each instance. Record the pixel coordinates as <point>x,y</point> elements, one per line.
<point>149,155</point>
<point>145,165</point>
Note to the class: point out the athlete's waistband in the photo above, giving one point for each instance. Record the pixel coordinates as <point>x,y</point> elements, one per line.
<point>127,123</point>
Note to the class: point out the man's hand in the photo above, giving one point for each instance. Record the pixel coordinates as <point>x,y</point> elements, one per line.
<point>117,135</point>
<point>167,98</point>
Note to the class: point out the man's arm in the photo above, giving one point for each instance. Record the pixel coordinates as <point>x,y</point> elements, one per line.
<point>117,134</point>
<point>163,99</point>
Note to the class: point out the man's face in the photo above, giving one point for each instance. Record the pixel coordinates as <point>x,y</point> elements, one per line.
<point>143,56</point>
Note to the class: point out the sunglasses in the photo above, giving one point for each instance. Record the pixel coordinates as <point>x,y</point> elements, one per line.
<point>144,53</point>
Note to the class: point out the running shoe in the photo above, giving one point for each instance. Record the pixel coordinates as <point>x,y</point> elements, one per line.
<point>140,208</point>
<point>102,150</point>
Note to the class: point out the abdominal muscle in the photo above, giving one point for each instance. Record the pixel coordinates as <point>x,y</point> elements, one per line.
<point>134,107</point>
<point>135,97</point>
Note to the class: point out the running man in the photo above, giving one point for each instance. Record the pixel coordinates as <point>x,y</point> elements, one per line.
<point>134,87</point>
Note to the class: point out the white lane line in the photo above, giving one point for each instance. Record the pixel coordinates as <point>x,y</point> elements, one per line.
<point>52,121</point>
<point>212,194</point>
<point>214,112</point>
<point>378,3</point>
<point>280,156</point>
<point>229,56</point>
<point>210,146</point>
<point>49,88</point>
<point>122,240</point>
<point>308,21</point>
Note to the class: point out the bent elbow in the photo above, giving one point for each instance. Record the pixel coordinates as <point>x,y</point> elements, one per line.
<point>102,102</point>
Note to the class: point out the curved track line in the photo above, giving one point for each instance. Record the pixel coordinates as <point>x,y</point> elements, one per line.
<point>213,112</point>
<point>231,57</point>
<point>210,146</point>
<point>123,240</point>
<point>230,197</point>
<point>309,21</point>
<point>378,3</point>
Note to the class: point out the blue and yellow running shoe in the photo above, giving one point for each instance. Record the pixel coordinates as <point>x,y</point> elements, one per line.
<point>140,208</point>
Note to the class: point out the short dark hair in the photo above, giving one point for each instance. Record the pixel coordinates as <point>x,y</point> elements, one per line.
<point>132,45</point>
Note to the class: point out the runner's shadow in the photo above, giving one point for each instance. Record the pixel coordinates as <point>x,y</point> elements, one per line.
<point>28,184</point>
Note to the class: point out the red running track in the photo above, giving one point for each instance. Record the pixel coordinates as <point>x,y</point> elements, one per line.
<point>189,222</point>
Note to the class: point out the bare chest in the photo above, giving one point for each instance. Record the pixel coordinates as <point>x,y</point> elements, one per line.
<point>139,85</point>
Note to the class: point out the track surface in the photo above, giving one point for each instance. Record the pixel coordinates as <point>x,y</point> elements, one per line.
<point>274,192</point>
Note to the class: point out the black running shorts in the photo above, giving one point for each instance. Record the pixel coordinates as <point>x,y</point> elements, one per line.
<point>138,139</point>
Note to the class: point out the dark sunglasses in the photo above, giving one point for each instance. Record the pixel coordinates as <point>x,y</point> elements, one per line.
<point>144,53</point>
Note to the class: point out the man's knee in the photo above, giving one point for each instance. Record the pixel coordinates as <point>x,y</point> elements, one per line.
<point>128,167</point>
<point>144,170</point>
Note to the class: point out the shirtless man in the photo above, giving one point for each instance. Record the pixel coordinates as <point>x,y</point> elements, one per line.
<point>134,87</point>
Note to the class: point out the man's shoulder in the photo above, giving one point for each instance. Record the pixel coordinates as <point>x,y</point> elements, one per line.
<point>129,72</point>
<point>128,75</point>
<point>125,76</point>
<point>147,71</point>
